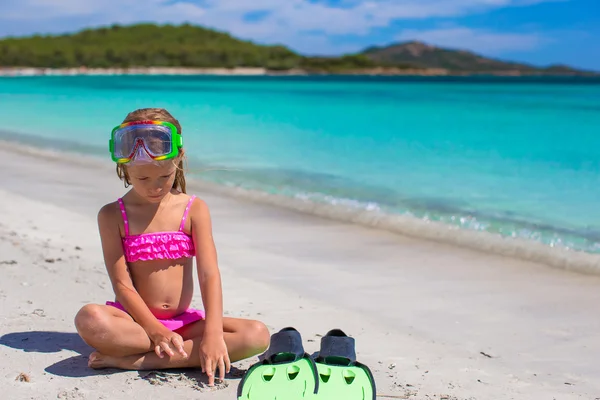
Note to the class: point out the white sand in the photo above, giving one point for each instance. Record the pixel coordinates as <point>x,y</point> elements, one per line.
<point>422,313</point>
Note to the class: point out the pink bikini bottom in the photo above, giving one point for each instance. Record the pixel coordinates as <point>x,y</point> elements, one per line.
<point>187,317</point>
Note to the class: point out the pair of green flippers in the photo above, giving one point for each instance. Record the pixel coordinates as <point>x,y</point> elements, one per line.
<point>287,372</point>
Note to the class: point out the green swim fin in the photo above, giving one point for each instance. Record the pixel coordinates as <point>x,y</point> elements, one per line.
<point>340,375</point>
<point>286,373</point>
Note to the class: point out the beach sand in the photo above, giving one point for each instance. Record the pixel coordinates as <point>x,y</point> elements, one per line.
<point>432,321</point>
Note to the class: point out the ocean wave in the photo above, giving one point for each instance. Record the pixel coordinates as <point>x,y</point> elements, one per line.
<point>349,193</point>
<point>468,233</point>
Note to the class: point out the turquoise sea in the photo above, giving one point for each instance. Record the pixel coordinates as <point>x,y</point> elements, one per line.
<point>518,157</point>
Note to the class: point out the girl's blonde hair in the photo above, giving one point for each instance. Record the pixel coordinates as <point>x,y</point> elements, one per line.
<point>155,114</point>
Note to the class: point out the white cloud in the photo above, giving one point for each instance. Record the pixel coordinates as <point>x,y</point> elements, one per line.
<point>481,41</point>
<point>287,21</point>
<point>353,17</point>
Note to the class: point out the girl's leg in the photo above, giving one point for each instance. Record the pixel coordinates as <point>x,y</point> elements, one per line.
<point>111,331</point>
<point>244,338</point>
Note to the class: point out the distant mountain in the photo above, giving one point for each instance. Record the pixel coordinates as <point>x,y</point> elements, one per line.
<point>422,55</point>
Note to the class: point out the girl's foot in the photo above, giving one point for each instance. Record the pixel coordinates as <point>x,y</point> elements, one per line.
<point>98,361</point>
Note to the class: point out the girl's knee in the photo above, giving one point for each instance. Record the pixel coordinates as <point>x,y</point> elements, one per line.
<point>257,336</point>
<point>89,319</point>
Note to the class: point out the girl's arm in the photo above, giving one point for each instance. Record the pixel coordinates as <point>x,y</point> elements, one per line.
<point>209,276</point>
<point>213,349</point>
<point>122,284</point>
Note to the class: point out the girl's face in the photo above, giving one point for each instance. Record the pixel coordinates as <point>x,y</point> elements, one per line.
<point>151,181</point>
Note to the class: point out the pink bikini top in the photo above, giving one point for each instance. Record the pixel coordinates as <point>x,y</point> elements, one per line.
<point>157,245</point>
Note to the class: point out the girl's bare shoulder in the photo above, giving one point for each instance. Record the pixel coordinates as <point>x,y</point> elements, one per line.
<point>109,212</point>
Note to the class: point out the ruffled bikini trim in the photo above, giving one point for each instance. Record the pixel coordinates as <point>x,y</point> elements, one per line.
<point>153,246</point>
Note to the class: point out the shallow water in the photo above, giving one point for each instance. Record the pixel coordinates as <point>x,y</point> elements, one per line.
<point>515,156</point>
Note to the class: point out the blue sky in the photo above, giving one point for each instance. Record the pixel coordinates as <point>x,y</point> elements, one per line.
<point>535,31</point>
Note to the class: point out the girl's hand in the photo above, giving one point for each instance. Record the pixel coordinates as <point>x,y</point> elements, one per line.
<point>166,342</point>
<point>213,355</point>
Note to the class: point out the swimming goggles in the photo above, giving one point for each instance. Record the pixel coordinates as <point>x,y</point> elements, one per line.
<point>147,141</point>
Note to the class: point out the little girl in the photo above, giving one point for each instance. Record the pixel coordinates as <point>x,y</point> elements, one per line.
<point>149,238</point>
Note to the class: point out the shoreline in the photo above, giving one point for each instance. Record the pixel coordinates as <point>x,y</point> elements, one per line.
<point>437,232</point>
<point>243,71</point>
<point>25,71</point>
<point>406,226</point>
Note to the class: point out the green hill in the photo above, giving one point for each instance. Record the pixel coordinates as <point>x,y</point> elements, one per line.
<point>151,45</point>
<point>142,45</point>
<point>455,61</point>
